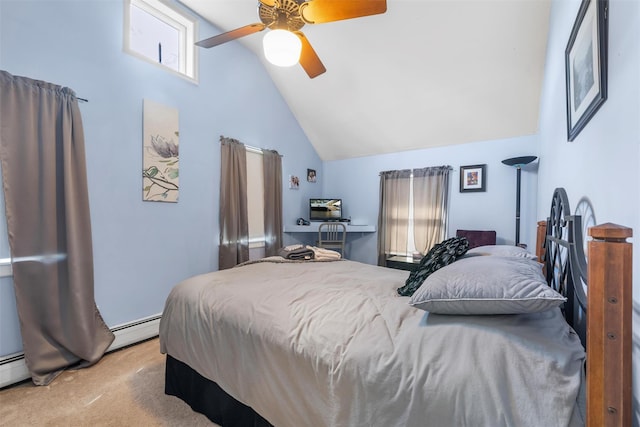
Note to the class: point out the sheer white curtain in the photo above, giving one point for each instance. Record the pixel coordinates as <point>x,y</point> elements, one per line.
<point>430,206</point>
<point>393,219</point>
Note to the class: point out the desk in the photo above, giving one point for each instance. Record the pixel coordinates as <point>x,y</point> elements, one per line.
<point>308,235</point>
<point>403,263</point>
<point>313,228</point>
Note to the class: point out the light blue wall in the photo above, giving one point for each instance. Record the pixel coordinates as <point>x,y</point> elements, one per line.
<point>357,182</point>
<point>142,249</point>
<point>602,163</point>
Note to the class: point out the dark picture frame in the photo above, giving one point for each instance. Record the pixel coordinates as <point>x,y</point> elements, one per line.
<point>586,65</point>
<point>473,178</point>
<point>311,175</point>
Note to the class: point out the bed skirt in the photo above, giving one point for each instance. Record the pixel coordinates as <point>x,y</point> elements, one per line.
<point>206,397</point>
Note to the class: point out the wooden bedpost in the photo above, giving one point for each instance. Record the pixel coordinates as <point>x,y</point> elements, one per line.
<point>609,326</point>
<point>541,236</point>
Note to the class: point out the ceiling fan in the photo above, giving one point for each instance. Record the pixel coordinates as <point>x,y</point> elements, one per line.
<point>292,15</point>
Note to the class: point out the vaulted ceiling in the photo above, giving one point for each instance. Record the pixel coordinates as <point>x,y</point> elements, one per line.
<point>424,74</point>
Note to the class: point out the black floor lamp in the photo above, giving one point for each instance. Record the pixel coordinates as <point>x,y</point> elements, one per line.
<point>518,162</point>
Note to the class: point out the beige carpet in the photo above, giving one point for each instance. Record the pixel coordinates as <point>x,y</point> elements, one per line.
<point>126,388</point>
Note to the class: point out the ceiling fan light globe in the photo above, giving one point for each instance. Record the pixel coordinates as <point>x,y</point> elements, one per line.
<point>282,48</point>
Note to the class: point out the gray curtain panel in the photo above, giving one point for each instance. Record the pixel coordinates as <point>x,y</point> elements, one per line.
<point>234,221</point>
<point>272,202</point>
<point>47,209</point>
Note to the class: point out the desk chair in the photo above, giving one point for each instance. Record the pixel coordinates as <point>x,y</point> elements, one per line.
<point>332,235</point>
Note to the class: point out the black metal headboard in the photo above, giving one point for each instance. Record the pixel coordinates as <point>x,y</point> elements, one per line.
<point>565,262</point>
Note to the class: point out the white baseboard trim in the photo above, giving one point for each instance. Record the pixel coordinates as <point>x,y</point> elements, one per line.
<point>134,332</point>
<point>13,368</point>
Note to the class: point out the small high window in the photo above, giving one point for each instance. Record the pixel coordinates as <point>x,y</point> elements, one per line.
<point>158,33</point>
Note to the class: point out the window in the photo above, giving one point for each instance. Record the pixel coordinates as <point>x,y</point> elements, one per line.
<point>255,202</point>
<point>250,203</point>
<point>413,211</point>
<point>401,225</point>
<point>158,33</point>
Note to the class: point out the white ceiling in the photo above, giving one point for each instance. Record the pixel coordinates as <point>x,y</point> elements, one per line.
<point>424,74</point>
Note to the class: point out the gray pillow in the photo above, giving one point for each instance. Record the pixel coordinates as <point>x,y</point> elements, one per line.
<point>487,285</point>
<point>501,250</point>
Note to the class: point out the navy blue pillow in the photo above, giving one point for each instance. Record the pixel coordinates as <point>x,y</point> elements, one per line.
<point>441,254</point>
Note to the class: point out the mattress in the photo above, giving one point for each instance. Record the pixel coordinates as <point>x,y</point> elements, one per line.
<point>332,344</point>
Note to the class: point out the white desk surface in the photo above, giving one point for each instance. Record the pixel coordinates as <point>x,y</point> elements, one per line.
<point>313,228</point>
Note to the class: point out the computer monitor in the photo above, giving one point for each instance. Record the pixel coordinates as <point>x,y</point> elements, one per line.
<point>325,209</point>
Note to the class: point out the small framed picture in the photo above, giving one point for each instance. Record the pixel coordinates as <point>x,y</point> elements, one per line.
<point>311,175</point>
<point>294,182</point>
<point>473,178</point>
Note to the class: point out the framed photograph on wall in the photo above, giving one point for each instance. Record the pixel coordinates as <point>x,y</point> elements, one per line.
<point>586,65</point>
<point>294,182</point>
<point>473,178</point>
<point>311,175</point>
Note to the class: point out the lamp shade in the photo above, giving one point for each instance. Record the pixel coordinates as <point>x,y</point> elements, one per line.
<point>282,48</point>
<point>519,161</point>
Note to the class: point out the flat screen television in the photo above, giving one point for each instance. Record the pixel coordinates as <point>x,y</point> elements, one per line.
<point>325,209</point>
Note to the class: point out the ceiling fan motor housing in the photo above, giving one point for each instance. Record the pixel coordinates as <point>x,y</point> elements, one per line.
<point>285,15</point>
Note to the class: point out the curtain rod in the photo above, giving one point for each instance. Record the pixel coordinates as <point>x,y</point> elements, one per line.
<point>449,167</point>
<point>74,94</point>
<point>257,150</point>
<point>252,148</point>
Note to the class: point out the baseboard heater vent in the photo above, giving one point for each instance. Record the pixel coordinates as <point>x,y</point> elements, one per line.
<point>13,368</point>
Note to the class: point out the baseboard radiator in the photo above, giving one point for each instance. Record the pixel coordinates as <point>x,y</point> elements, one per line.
<point>13,368</point>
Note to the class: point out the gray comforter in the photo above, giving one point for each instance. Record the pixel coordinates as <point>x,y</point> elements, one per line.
<point>332,344</point>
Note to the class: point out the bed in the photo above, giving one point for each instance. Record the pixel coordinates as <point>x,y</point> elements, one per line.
<point>295,343</point>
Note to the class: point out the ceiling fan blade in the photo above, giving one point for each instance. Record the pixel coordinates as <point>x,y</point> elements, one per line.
<point>309,59</point>
<point>231,35</point>
<point>270,3</point>
<point>320,11</point>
